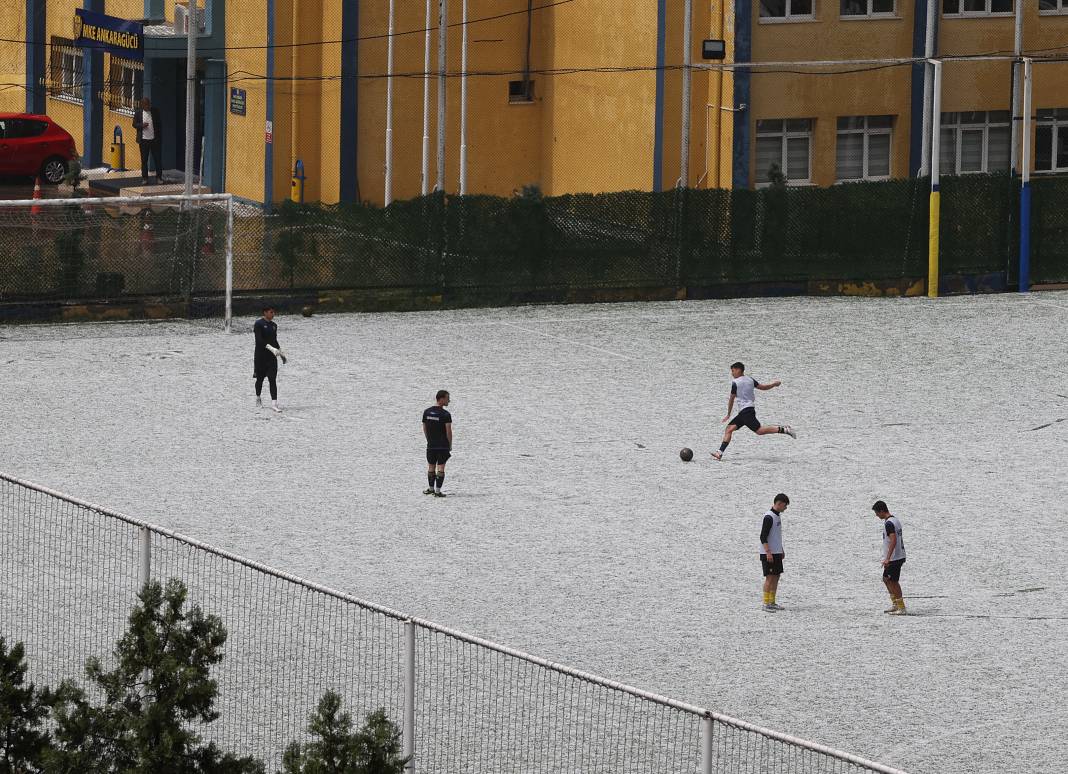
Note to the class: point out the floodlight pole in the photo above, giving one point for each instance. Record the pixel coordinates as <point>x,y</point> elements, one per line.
<point>928,73</point>
<point>463,101</point>
<point>936,131</point>
<point>687,77</point>
<point>424,186</point>
<point>193,20</point>
<point>443,30</point>
<point>1017,50</point>
<point>388,188</point>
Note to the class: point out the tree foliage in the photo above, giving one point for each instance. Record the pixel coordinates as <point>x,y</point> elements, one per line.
<point>23,741</point>
<point>337,749</point>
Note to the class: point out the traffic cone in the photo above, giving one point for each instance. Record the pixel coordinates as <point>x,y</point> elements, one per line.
<point>209,241</point>
<point>36,208</point>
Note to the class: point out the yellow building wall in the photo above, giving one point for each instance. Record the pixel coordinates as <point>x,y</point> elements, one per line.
<point>12,57</point>
<point>246,25</point>
<point>59,22</point>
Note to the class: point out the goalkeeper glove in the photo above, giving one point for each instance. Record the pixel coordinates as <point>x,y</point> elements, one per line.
<point>282,356</point>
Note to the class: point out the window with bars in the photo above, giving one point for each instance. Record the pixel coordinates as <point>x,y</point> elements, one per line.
<point>863,148</point>
<point>787,9</point>
<point>783,144</point>
<point>976,7</point>
<point>974,142</point>
<point>868,8</point>
<point>67,71</point>
<point>1051,140</point>
<point>125,77</point>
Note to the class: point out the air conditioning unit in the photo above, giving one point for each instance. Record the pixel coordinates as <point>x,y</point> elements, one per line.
<point>182,12</point>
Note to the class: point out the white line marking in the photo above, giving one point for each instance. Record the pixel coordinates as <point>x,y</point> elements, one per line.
<point>569,341</point>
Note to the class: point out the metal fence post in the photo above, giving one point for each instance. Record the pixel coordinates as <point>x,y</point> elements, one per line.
<point>409,696</point>
<point>706,745</point>
<point>144,569</point>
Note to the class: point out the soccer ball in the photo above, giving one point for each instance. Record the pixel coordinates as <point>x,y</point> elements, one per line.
<point>686,455</point>
<point>307,311</point>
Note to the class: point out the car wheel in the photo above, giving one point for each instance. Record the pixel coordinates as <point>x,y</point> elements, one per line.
<point>54,170</point>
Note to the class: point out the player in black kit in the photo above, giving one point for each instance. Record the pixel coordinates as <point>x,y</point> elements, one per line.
<point>268,353</point>
<point>437,427</point>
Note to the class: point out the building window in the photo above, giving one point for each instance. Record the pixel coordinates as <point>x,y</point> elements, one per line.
<point>521,91</point>
<point>868,8</point>
<point>124,84</point>
<point>974,142</point>
<point>786,9</point>
<point>1051,140</point>
<point>863,150</point>
<point>976,7</point>
<point>1052,6</point>
<point>783,145</point>
<point>67,70</point>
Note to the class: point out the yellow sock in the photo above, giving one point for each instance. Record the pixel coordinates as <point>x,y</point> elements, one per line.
<point>772,595</point>
<point>899,603</point>
<point>767,598</point>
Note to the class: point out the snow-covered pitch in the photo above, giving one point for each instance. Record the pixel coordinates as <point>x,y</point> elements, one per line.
<point>572,529</point>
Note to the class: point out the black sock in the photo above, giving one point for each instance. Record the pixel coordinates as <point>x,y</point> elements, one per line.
<point>781,429</point>
<point>440,480</point>
<point>723,447</point>
<point>430,480</point>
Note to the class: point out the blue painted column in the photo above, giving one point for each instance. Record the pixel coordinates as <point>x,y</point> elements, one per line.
<point>268,148</point>
<point>36,74</point>
<point>919,45</point>
<point>350,68</point>
<point>215,110</point>
<point>92,104</point>
<point>743,52</point>
<point>658,111</point>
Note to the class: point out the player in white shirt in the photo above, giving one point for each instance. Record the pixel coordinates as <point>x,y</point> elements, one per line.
<point>742,392</point>
<point>893,557</point>
<point>771,551</point>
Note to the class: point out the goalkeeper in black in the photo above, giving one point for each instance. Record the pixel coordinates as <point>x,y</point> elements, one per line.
<point>437,427</point>
<point>267,355</point>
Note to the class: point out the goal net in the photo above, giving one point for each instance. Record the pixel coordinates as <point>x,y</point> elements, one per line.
<point>174,253</point>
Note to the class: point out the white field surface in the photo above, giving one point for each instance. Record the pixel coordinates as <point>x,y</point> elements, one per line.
<point>573,531</point>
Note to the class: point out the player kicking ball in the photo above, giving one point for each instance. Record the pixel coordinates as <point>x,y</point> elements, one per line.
<point>743,392</point>
<point>437,427</point>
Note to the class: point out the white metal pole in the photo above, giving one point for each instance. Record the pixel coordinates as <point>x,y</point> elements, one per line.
<point>424,186</point>
<point>707,759</point>
<point>1017,49</point>
<point>229,263</point>
<point>687,76</point>
<point>1025,186</point>
<point>408,731</point>
<point>936,124</point>
<point>193,18</point>
<point>388,196</point>
<point>928,74</point>
<point>934,218</point>
<point>443,15</point>
<point>144,569</point>
<point>463,101</point>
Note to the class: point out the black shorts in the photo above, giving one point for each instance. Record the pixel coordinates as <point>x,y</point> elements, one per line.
<point>265,365</point>
<point>774,567</point>
<point>892,571</point>
<point>437,456</point>
<point>746,418</point>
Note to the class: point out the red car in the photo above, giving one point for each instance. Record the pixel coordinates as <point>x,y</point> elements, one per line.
<point>34,145</point>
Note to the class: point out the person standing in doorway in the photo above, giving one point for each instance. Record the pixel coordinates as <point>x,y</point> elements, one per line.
<point>893,557</point>
<point>149,139</point>
<point>266,357</point>
<point>772,552</point>
<point>437,428</point>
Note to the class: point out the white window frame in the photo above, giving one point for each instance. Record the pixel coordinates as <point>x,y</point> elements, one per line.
<point>69,87</point>
<point>784,135</point>
<point>1062,8</point>
<point>871,14</point>
<point>867,133</point>
<point>126,86</point>
<point>958,133</point>
<point>788,17</point>
<point>963,14</point>
<point>1054,123</point>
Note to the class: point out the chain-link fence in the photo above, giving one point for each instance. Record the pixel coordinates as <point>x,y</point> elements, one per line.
<point>68,581</point>
<point>486,248</point>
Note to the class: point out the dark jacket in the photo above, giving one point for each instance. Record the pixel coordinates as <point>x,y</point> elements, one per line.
<point>156,123</point>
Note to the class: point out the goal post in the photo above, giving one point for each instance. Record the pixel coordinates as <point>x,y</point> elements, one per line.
<point>169,251</point>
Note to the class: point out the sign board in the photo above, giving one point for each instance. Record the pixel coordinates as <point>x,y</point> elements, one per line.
<point>120,37</point>
<point>237,101</point>
<point>270,133</point>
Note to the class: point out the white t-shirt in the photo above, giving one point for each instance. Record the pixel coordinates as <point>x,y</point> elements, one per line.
<point>774,536</point>
<point>899,548</point>
<point>742,389</point>
<point>148,128</point>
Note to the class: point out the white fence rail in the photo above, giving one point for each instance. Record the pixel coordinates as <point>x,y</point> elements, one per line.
<point>70,571</point>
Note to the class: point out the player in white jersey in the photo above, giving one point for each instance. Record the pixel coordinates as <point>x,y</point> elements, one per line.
<point>771,551</point>
<point>893,557</point>
<point>742,392</point>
